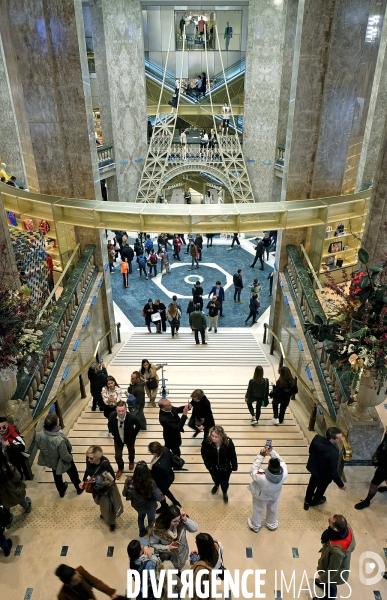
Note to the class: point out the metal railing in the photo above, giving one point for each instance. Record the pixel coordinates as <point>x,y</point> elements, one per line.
<point>346,448</point>
<point>78,375</point>
<point>329,306</point>
<point>105,156</point>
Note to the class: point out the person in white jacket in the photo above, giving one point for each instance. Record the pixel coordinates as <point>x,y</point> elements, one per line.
<point>266,489</point>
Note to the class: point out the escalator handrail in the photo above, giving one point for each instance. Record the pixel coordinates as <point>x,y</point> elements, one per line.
<point>347,450</point>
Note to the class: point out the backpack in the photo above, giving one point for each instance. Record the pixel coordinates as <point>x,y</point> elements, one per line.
<point>131,401</point>
<point>196,252</point>
<point>142,260</point>
<point>149,245</point>
<point>153,259</point>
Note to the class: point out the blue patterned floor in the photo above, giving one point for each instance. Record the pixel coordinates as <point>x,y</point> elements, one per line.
<point>131,301</point>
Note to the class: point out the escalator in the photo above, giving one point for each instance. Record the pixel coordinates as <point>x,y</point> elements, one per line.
<point>197,112</point>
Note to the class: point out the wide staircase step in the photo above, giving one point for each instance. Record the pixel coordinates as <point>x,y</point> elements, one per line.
<point>230,351</point>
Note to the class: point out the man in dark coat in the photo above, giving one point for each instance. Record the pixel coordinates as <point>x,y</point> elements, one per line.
<point>124,426</point>
<point>97,375</point>
<point>199,244</point>
<point>172,424</point>
<point>238,285</point>
<point>259,252</point>
<point>78,583</point>
<point>218,291</point>
<point>197,294</point>
<point>128,252</point>
<point>202,418</point>
<point>322,464</point>
<point>137,388</point>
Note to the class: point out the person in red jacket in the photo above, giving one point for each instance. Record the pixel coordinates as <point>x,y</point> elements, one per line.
<point>50,277</point>
<point>13,446</point>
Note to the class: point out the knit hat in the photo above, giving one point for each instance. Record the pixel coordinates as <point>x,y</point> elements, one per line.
<point>274,471</point>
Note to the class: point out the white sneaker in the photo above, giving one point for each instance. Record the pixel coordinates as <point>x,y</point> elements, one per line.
<point>252,527</point>
<point>254,421</point>
<point>110,434</point>
<point>275,421</point>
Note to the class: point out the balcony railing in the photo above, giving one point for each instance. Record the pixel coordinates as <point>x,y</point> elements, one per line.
<point>105,156</point>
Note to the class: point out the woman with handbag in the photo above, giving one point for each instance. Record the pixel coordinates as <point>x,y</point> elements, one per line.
<point>99,480</point>
<point>168,535</point>
<point>151,316</point>
<point>148,373</point>
<point>173,315</point>
<point>257,393</point>
<point>111,395</point>
<point>284,388</point>
<point>12,488</point>
<point>162,473</point>
<point>143,494</point>
<point>208,557</point>
<point>220,459</point>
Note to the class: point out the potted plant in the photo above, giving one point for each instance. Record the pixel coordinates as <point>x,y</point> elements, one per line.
<point>360,343</point>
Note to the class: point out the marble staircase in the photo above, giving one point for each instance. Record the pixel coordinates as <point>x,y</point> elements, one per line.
<point>222,370</point>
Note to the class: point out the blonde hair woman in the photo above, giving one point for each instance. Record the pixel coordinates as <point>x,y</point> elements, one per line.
<point>220,459</point>
<point>105,493</point>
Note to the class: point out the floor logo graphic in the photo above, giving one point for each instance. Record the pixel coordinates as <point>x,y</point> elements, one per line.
<point>367,563</point>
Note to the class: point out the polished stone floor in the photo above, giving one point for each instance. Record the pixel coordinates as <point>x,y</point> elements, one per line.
<point>218,263</point>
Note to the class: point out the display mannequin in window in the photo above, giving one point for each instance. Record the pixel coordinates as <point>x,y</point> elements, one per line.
<point>228,35</point>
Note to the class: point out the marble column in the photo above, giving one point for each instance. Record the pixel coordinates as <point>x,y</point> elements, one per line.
<point>347,90</point>
<point>305,98</point>
<point>265,37</point>
<point>374,238</point>
<point>331,88</point>
<point>15,141</point>
<point>101,69</point>
<point>377,113</point>
<point>45,36</point>
<point>119,55</point>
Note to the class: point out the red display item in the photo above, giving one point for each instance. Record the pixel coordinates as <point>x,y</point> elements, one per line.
<point>44,226</point>
<point>28,224</point>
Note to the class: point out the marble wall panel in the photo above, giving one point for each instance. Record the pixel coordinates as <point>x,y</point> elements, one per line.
<point>262,92</point>
<point>342,80</point>
<point>126,83</point>
<point>305,96</point>
<point>377,113</point>
<point>17,99</point>
<point>45,34</point>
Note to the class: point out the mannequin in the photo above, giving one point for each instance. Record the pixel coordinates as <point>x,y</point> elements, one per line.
<point>226,118</point>
<point>201,25</point>
<point>228,35</point>
<point>181,26</point>
<point>184,144</point>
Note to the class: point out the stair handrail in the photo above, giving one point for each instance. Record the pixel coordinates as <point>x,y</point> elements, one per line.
<point>52,293</point>
<point>346,450</point>
<point>71,381</point>
<point>318,283</point>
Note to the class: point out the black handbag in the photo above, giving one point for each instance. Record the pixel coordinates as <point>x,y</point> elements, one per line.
<point>177,462</point>
<point>152,383</point>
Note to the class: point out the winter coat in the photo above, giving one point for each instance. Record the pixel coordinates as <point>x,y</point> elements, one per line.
<point>160,538</point>
<point>280,394</point>
<point>111,397</point>
<point>221,296</point>
<point>197,293</point>
<point>162,471</point>
<point>149,311</point>
<point>173,425</point>
<point>140,504</point>
<point>13,490</point>
<point>254,305</point>
<point>97,380</point>
<point>202,410</point>
<point>224,460</point>
<point>258,391</point>
<point>87,583</point>
<point>324,460</point>
<point>110,504</point>
<point>16,451</point>
<point>127,252</point>
<point>237,280</point>
<point>213,308</point>
<point>335,559</point>
<point>178,314</point>
<point>259,248</point>
<point>199,242</point>
<point>255,289</point>
<point>55,451</point>
<point>197,320</point>
<point>265,485</point>
<point>138,390</point>
<point>153,372</point>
